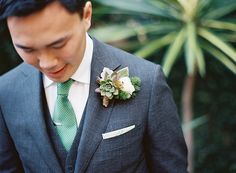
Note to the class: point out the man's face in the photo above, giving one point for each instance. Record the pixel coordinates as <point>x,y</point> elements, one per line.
<point>52,40</point>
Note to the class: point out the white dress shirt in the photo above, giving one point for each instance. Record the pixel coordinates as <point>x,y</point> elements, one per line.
<point>79,91</point>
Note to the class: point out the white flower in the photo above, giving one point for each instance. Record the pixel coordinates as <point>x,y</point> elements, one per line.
<point>106,73</point>
<point>127,85</point>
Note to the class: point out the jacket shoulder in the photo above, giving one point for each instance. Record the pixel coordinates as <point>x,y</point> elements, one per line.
<point>14,73</point>
<point>137,66</point>
<point>13,78</point>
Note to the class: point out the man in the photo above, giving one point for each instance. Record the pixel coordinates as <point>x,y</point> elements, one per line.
<point>141,134</point>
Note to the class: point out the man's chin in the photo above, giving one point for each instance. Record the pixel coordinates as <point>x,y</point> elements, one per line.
<point>60,76</point>
<point>59,80</point>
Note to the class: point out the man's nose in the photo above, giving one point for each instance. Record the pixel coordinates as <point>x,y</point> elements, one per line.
<point>47,61</point>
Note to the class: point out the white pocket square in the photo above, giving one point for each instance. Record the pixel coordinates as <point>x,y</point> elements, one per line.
<point>118,132</point>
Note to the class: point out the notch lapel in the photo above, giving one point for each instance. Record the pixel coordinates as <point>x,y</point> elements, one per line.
<point>34,116</point>
<point>97,116</point>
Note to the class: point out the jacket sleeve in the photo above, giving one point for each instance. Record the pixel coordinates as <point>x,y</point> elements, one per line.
<point>166,151</point>
<point>9,159</point>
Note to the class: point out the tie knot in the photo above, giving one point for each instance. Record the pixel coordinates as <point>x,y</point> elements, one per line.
<point>63,88</point>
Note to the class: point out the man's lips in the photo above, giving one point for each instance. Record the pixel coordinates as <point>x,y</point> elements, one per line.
<point>55,72</point>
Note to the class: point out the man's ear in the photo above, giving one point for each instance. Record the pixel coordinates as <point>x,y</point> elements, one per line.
<point>87,14</point>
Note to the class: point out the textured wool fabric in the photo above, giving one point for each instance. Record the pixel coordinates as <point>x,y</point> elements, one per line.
<point>64,116</point>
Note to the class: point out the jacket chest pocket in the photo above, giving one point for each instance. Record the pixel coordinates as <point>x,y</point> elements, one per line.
<point>124,144</point>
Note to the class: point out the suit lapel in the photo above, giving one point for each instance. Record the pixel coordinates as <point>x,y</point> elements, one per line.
<point>97,116</point>
<point>35,118</point>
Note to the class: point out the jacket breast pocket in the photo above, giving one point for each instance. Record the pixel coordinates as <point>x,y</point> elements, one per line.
<point>121,150</point>
<point>124,141</point>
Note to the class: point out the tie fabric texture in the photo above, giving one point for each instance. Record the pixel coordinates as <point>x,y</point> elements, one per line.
<point>64,116</point>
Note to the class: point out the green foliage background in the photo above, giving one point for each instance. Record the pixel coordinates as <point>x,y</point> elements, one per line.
<point>214,96</point>
<point>8,56</point>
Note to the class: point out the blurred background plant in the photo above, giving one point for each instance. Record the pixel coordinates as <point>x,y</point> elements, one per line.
<point>198,33</point>
<point>8,57</point>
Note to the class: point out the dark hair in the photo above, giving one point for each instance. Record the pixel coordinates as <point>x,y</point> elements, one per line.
<point>25,7</point>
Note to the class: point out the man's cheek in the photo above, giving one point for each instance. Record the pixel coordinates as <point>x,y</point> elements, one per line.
<point>66,57</point>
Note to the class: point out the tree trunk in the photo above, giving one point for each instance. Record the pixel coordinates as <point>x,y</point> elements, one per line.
<point>187,110</point>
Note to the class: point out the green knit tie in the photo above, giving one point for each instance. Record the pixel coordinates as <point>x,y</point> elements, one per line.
<point>64,116</point>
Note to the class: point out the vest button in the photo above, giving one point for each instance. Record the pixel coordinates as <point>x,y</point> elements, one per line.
<point>70,168</point>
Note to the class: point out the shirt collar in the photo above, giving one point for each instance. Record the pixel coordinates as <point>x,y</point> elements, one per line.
<point>83,72</point>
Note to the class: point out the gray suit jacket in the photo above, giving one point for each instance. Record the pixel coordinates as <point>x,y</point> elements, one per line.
<point>156,144</point>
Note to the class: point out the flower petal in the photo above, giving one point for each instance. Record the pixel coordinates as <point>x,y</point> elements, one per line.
<point>127,85</point>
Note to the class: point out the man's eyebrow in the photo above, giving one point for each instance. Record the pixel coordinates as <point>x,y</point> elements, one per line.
<point>57,41</point>
<point>48,45</point>
<point>23,47</point>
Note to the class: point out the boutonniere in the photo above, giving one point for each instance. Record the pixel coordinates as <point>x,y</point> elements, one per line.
<point>117,85</point>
